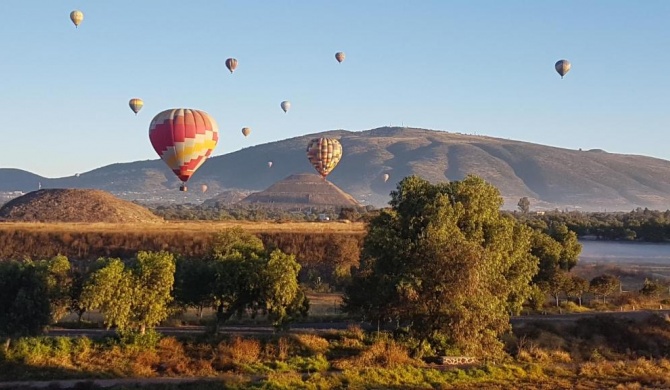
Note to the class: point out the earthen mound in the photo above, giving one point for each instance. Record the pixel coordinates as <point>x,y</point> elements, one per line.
<point>74,205</point>
<point>303,190</point>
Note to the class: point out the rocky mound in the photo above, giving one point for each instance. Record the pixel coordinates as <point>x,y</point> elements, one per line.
<point>74,205</point>
<point>303,190</point>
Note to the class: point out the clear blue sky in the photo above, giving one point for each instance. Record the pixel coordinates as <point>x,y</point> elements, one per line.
<point>484,67</point>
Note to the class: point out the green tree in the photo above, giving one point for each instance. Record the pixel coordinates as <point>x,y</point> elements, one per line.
<point>194,283</point>
<point>132,297</point>
<point>24,301</point>
<point>58,274</point>
<point>444,262</point>
<point>524,205</point>
<point>557,284</point>
<point>576,287</point>
<point>652,288</point>
<point>604,285</point>
<point>249,279</point>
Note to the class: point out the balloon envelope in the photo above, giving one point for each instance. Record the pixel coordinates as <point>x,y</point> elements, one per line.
<point>324,154</point>
<point>285,105</point>
<point>386,177</point>
<point>136,104</point>
<point>76,17</point>
<point>231,64</point>
<point>183,138</point>
<point>204,188</point>
<point>246,131</point>
<point>339,56</point>
<point>269,164</point>
<point>562,67</point>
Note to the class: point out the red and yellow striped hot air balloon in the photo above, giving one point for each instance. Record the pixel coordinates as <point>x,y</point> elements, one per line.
<point>183,138</point>
<point>324,154</point>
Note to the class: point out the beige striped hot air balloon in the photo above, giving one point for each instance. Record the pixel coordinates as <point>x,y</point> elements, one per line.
<point>76,17</point>
<point>231,64</point>
<point>386,177</point>
<point>285,105</point>
<point>339,56</point>
<point>204,188</point>
<point>324,154</point>
<point>562,67</point>
<point>136,104</point>
<point>246,131</point>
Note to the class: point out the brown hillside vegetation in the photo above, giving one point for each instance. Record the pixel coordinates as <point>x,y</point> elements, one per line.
<point>74,205</point>
<point>304,189</point>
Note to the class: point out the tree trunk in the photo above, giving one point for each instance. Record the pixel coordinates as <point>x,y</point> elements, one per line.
<point>7,343</point>
<point>580,300</point>
<point>557,304</point>
<point>200,309</point>
<point>143,329</point>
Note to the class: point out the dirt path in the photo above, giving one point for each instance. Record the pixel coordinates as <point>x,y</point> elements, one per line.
<point>108,383</point>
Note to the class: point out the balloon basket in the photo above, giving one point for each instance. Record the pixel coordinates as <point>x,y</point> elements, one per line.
<point>183,188</point>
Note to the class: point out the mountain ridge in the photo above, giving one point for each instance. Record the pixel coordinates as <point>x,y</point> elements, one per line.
<point>550,176</point>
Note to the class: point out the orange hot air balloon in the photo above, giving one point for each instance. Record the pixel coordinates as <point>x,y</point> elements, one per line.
<point>231,64</point>
<point>339,56</point>
<point>324,154</point>
<point>183,138</point>
<point>204,188</point>
<point>136,104</point>
<point>246,131</point>
<point>76,17</point>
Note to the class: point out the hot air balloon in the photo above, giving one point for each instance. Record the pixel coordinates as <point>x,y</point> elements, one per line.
<point>183,138</point>
<point>204,188</point>
<point>339,56</point>
<point>386,177</point>
<point>76,17</point>
<point>136,104</point>
<point>231,64</point>
<point>285,105</point>
<point>324,154</point>
<point>246,131</point>
<point>269,164</point>
<point>562,67</point>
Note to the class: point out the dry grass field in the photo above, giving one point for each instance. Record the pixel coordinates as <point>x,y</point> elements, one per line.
<point>185,227</point>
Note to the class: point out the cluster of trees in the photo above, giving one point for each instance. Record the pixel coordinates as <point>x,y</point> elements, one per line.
<point>449,268</point>
<point>255,212</point>
<point>238,276</point>
<point>639,224</point>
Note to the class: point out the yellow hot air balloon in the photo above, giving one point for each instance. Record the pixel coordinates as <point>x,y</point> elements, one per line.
<point>246,131</point>
<point>562,67</point>
<point>231,64</point>
<point>324,154</point>
<point>386,177</point>
<point>339,56</point>
<point>136,104</point>
<point>76,17</point>
<point>285,105</point>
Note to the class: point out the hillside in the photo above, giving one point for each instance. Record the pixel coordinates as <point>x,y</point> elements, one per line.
<point>74,205</point>
<point>305,189</point>
<point>551,177</point>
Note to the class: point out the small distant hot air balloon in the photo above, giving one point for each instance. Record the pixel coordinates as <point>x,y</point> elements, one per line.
<point>183,138</point>
<point>339,56</point>
<point>269,164</point>
<point>246,131</point>
<point>136,104</point>
<point>76,17</point>
<point>562,67</point>
<point>386,177</point>
<point>324,154</point>
<point>231,64</point>
<point>204,188</point>
<point>285,105</point>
